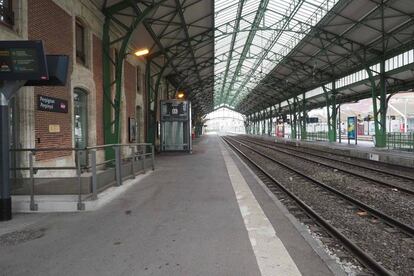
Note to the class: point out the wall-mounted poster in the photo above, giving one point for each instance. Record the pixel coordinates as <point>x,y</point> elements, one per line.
<point>132,130</point>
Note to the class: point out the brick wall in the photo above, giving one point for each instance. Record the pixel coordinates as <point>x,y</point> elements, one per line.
<point>98,78</point>
<point>50,23</point>
<point>130,84</point>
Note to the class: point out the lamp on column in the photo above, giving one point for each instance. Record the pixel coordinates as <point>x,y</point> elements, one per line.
<point>141,52</point>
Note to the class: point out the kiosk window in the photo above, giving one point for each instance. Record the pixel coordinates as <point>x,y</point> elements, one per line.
<point>6,12</point>
<point>80,42</point>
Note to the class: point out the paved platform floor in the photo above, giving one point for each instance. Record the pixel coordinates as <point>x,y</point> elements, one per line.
<point>184,219</point>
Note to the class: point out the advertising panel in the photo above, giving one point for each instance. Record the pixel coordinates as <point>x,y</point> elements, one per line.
<point>22,60</point>
<point>352,124</point>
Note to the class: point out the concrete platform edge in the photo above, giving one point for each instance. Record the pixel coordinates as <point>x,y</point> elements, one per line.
<point>331,263</point>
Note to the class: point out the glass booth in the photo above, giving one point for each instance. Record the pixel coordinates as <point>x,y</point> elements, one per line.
<point>175,125</point>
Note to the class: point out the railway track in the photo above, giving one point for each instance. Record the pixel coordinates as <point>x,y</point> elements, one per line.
<point>401,230</point>
<point>382,169</point>
<point>387,179</point>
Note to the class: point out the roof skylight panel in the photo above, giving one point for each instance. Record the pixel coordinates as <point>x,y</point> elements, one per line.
<point>224,5</point>
<point>249,6</point>
<point>274,18</point>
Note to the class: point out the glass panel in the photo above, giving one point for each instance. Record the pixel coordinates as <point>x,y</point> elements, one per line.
<point>81,121</point>
<point>173,133</point>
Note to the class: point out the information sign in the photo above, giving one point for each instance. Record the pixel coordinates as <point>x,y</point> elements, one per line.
<point>22,60</point>
<point>174,110</point>
<point>352,121</point>
<point>45,103</point>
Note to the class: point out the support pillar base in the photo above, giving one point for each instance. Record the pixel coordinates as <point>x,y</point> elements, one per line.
<point>5,209</point>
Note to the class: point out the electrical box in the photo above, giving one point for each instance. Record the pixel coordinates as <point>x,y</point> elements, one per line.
<point>175,125</point>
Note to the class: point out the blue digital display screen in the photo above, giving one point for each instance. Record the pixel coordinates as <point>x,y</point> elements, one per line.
<point>22,60</point>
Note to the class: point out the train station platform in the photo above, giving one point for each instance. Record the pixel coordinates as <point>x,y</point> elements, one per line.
<point>362,150</point>
<point>198,214</point>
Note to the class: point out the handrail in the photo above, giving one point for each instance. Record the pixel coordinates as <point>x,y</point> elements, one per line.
<point>81,149</point>
<point>91,165</point>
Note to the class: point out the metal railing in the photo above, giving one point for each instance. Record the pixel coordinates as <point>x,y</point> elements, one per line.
<point>400,141</point>
<point>138,153</point>
<point>316,136</point>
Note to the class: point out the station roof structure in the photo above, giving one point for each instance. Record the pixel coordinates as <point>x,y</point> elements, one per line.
<point>179,35</point>
<point>249,54</point>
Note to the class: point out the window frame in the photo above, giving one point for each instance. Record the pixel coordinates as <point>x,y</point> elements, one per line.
<point>80,54</point>
<point>7,13</point>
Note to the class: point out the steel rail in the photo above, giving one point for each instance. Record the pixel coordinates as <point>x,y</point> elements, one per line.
<point>379,181</point>
<point>396,223</point>
<point>361,255</point>
<point>289,147</point>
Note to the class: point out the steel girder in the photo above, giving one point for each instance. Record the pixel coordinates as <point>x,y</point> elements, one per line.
<point>112,81</point>
<point>178,47</point>
<point>331,107</point>
<point>233,41</point>
<point>255,24</point>
<point>371,52</point>
<point>284,25</point>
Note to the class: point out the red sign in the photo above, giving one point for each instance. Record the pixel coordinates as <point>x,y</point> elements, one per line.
<point>280,131</point>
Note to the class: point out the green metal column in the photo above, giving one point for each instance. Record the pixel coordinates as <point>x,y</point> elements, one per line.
<point>270,126</point>
<point>246,125</point>
<point>112,85</point>
<point>379,95</point>
<point>293,119</point>
<point>381,112</point>
<point>151,115</point>
<point>254,124</point>
<point>263,113</point>
<point>107,102</point>
<point>303,133</point>
<point>330,97</point>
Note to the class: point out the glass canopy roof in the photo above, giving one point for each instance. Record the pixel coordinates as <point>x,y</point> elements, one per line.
<point>252,37</point>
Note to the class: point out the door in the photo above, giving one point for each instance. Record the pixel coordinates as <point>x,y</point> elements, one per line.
<point>80,107</point>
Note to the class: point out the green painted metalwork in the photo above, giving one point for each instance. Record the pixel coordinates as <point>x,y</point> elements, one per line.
<point>303,121</point>
<point>255,24</point>
<point>331,109</point>
<point>263,120</point>
<point>379,94</point>
<point>233,41</point>
<point>270,122</point>
<point>337,64</point>
<point>269,45</point>
<point>293,118</point>
<point>400,141</point>
<point>112,95</point>
<point>151,102</point>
